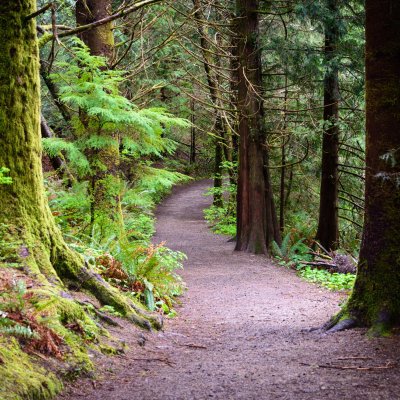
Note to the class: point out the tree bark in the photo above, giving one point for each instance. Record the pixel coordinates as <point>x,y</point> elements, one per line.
<point>375,300</point>
<point>42,250</point>
<point>256,216</point>
<point>100,40</point>
<point>328,224</point>
<point>192,155</point>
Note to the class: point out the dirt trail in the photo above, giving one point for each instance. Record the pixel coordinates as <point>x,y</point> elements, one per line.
<point>242,331</point>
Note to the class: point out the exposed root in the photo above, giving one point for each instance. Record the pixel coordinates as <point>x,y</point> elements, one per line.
<point>343,325</point>
<point>72,271</point>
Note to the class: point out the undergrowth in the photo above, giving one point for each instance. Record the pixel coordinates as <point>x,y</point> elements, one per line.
<point>131,263</point>
<point>222,219</point>
<point>332,281</point>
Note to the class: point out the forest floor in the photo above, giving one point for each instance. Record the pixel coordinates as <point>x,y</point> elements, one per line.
<point>242,331</point>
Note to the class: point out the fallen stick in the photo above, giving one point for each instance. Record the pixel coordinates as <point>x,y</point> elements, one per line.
<point>164,360</point>
<point>194,346</point>
<point>389,365</point>
<point>319,263</point>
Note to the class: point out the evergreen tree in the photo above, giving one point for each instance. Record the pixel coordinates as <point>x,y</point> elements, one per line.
<point>375,299</point>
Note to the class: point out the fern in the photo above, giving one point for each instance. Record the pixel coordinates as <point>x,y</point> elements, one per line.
<point>19,331</point>
<point>282,250</point>
<point>56,146</point>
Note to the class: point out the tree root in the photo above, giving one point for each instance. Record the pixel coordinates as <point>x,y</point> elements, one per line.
<point>343,325</point>
<point>73,272</point>
<point>350,318</point>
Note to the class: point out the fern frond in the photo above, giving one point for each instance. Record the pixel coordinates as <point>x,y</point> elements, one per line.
<point>276,250</point>
<point>285,245</point>
<point>56,146</point>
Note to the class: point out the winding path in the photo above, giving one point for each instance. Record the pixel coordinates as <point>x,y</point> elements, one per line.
<point>242,331</point>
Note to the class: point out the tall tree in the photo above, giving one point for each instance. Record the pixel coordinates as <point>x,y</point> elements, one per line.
<point>256,217</point>
<point>105,161</point>
<point>25,210</point>
<point>375,300</point>
<point>328,224</point>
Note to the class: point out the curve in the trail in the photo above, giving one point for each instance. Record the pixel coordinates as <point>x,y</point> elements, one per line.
<point>243,330</point>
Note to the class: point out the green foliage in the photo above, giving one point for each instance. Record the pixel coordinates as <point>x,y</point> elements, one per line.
<point>151,274</point>
<point>18,331</point>
<point>4,179</point>
<point>152,267</point>
<point>110,310</point>
<point>110,119</point>
<point>13,300</point>
<point>77,160</point>
<point>220,220</point>
<point>290,254</point>
<point>335,281</point>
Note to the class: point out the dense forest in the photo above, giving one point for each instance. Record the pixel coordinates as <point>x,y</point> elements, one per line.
<point>288,110</point>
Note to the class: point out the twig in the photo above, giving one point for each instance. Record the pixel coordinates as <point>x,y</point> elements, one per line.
<point>194,346</point>
<point>388,365</point>
<point>38,12</point>
<point>164,360</point>
<point>319,263</point>
<point>322,248</point>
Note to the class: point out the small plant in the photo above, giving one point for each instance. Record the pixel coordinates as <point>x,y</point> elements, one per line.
<point>147,272</point>
<point>18,318</point>
<point>220,220</point>
<point>110,310</point>
<point>19,331</point>
<point>289,254</point>
<point>335,281</point>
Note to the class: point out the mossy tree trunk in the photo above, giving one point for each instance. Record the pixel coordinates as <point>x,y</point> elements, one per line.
<point>328,224</point>
<point>24,208</point>
<point>375,301</point>
<point>100,40</point>
<point>256,216</point>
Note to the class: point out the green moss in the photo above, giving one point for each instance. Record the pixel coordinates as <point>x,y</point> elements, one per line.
<point>44,39</point>
<point>61,314</point>
<point>21,378</point>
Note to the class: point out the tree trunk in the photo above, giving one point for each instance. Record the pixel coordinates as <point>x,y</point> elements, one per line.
<point>192,156</point>
<point>42,250</point>
<point>375,300</point>
<point>283,161</point>
<point>328,225</point>
<point>256,216</point>
<point>100,40</point>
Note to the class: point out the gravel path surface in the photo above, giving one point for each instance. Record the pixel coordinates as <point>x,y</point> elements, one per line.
<point>242,331</point>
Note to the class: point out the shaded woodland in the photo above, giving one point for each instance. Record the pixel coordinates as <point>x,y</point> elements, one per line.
<point>290,107</point>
